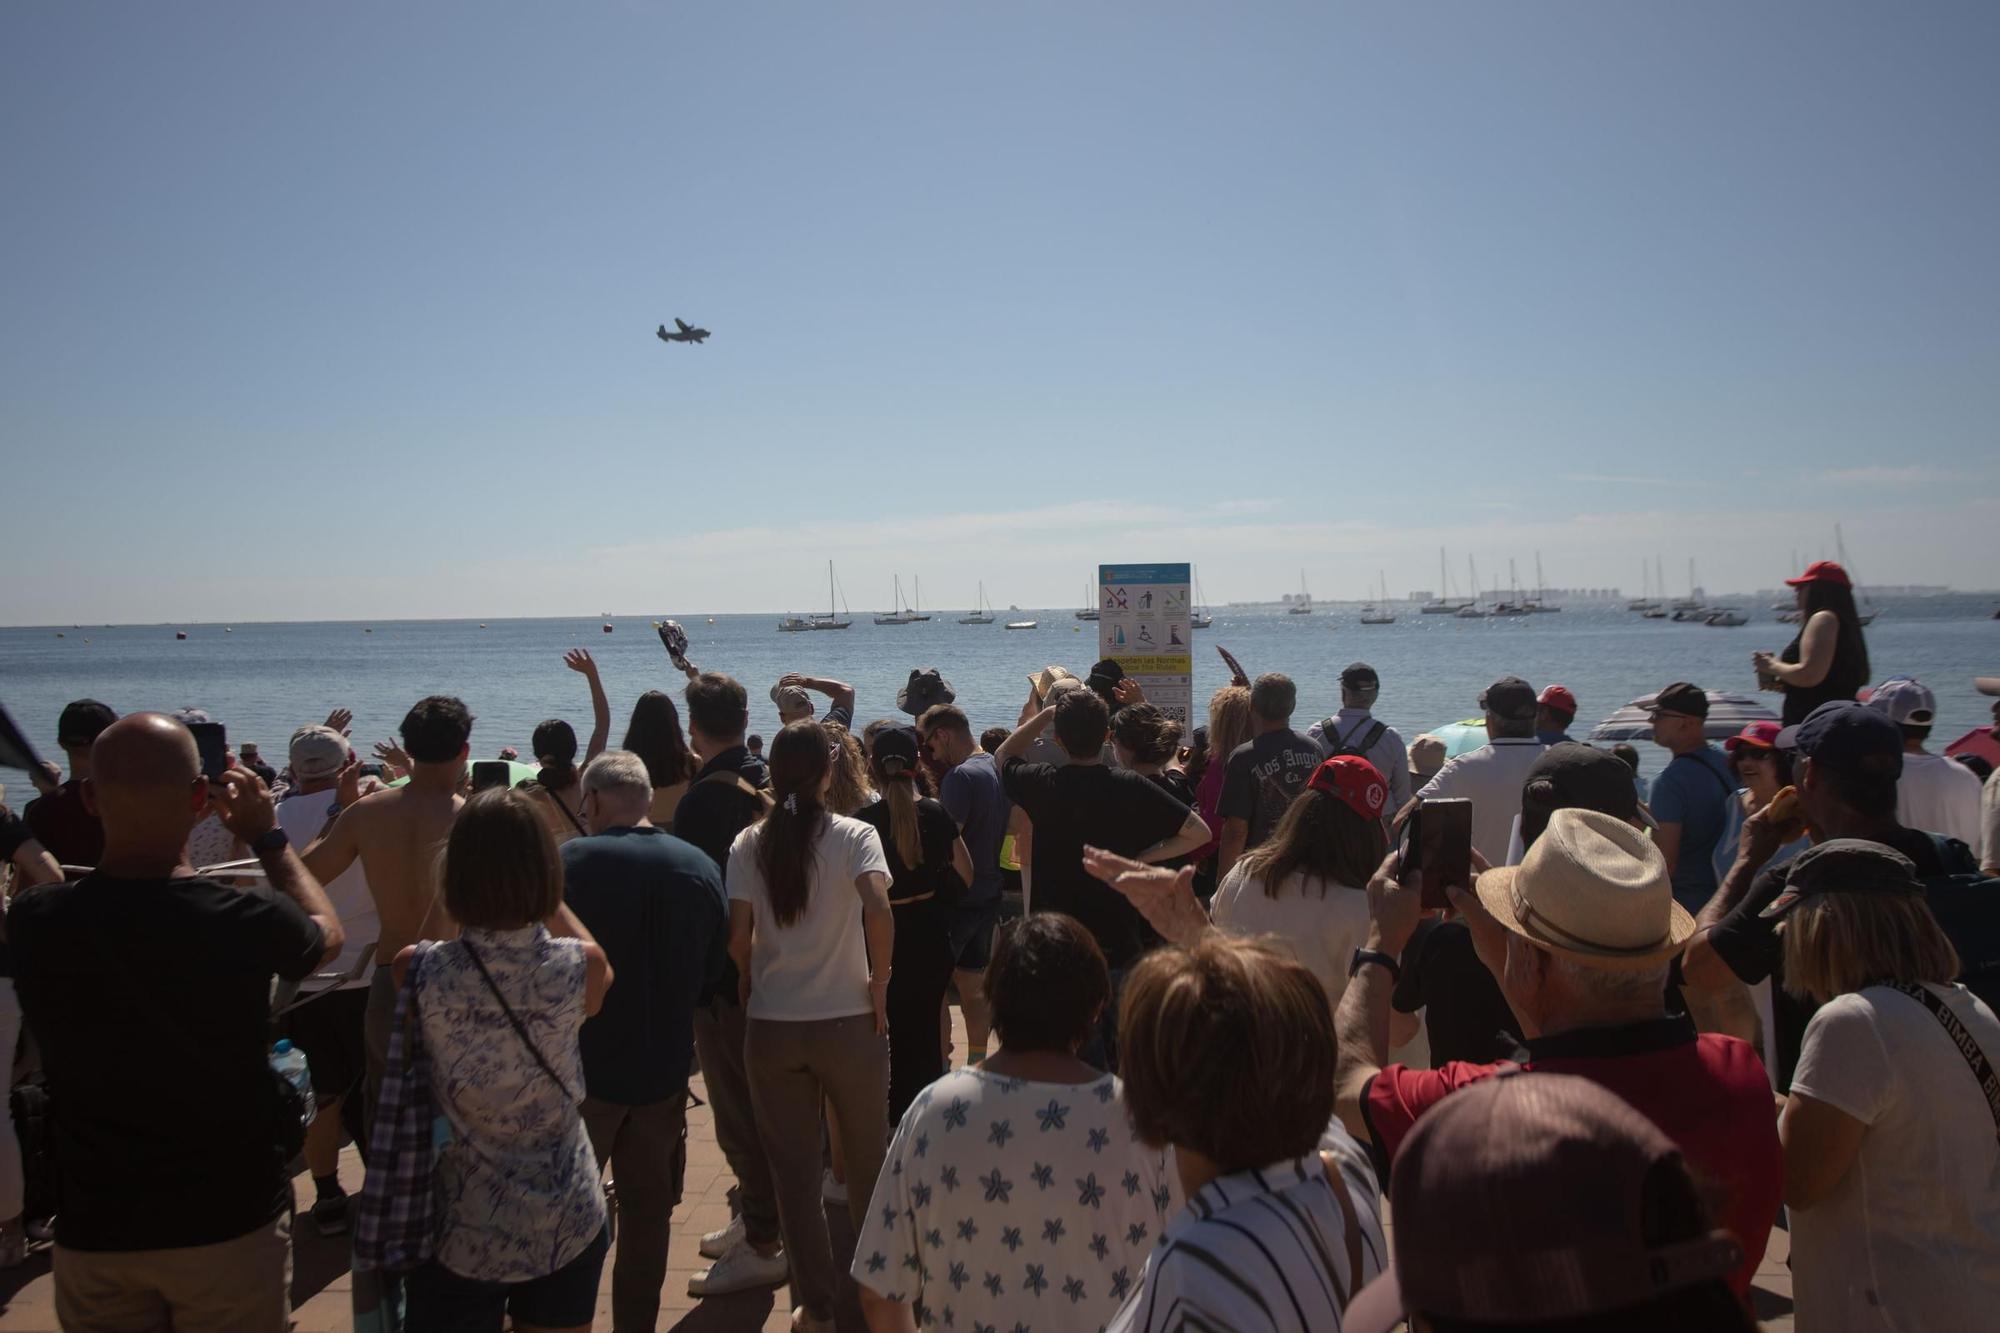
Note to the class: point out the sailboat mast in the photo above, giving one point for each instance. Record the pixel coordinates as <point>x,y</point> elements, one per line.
<point>1444,576</point>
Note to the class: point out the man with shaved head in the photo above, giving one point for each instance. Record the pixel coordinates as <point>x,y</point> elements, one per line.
<point>148,988</point>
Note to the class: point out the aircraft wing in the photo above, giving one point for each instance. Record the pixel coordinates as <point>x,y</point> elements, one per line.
<point>682,324</point>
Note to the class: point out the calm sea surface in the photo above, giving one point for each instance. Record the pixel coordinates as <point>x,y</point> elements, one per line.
<point>263,680</point>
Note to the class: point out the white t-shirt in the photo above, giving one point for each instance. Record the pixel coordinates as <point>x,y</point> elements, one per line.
<point>1910,1238</point>
<point>302,817</point>
<point>1491,778</point>
<point>1939,795</point>
<point>816,967</point>
<point>1005,1203</point>
<point>1321,931</point>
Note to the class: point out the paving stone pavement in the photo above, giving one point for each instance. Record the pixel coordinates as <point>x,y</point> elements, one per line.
<point>320,1287</point>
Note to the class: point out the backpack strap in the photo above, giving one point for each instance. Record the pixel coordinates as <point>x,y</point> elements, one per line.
<point>1329,731</point>
<point>741,784</point>
<point>1968,1046</point>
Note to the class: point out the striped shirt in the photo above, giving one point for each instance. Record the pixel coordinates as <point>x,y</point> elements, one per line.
<point>1262,1250</point>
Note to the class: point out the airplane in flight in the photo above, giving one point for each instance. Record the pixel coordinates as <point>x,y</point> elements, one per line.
<point>686,334</point>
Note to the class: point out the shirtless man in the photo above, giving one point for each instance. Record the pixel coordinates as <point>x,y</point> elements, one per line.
<point>397,833</point>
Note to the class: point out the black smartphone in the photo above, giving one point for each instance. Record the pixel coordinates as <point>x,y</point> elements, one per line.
<point>213,742</point>
<point>492,773</point>
<point>1437,848</point>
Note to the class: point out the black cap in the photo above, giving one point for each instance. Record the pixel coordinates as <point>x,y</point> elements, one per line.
<point>1682,700</point>
<point>1358,675</point>
<point>926,688</point>
<point>1844,865</point>
<point>1845,735</point>
<point>1509,697</point>
<point>894,750</point>
<point>1103,678</point>
<point>1572,776</point>
<point>81,722</point>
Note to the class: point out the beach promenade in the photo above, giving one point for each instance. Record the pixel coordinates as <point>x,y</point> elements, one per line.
<point>320,1276</point>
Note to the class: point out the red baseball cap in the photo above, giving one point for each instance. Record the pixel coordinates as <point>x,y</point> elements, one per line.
<point>1758,736</point>
<point>1358,784</point>
<point>1559,698</point>
<point>1822,571</point>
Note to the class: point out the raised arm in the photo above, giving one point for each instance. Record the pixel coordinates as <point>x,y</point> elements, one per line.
<point>1017,742</point>
<point>1361,1024</point>
<point>244,806</point>
<point>838,692</point>
<point>580,660</point>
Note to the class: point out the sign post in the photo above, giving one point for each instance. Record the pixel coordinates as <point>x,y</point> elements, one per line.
<point>1142,624</point>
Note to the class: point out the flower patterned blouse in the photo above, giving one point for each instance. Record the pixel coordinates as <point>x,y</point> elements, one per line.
<point>519,1191</point>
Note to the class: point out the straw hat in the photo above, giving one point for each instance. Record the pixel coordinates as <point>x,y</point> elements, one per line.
<point>1593,890</point>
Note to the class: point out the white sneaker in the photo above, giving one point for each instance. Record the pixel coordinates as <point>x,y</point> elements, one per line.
<point>831,1190</point>
<point>742,1269</point>
<point>718,1243</point>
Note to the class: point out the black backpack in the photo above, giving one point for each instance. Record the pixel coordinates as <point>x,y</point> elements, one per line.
<point>1967,907</point>
<point>1331,742</point>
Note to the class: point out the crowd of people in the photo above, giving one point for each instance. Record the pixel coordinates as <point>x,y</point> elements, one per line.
<point>1212,1021</point>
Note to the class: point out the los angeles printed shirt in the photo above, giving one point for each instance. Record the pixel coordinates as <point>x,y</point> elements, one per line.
<point>1263,777</point>
<point>1006,1204</point>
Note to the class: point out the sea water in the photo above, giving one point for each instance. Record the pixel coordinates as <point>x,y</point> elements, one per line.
<point>263,680</point>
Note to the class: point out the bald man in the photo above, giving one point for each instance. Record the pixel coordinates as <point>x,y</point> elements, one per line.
<point>148,988</point>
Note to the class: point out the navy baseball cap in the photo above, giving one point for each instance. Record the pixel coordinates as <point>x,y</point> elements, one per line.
<point>1843,733</point>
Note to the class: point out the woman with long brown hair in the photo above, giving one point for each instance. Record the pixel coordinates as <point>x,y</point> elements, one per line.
<point>1828,658</point>
<point>1308,883</point>
<point>655,735</point>
<point>929,871</point>
<point>812,933</point>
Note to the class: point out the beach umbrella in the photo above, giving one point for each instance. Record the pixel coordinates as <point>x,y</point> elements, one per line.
<point>1727,715</point>
<point>1979,741</point>
<point>1461,737</point>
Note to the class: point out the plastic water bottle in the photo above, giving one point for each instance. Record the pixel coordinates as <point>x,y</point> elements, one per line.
<point>289,1061</point>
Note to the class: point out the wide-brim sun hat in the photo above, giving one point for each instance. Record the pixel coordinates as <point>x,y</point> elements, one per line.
<point>1593,890</point>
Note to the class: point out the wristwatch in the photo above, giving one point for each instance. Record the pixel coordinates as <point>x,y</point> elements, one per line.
<point>1362,957</point>
<point>271,840</point>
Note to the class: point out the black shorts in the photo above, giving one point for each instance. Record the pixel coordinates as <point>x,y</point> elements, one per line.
<point>328,1029</point>
<point>971,930</point>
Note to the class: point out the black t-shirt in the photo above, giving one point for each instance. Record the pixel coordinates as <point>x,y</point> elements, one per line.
<point>151,1000</point>
<point>1465,1013</point>
<point>655,904</point>
<point>937,831</point>
<point>711,813</point>
<point>1263,777</point>
<point>1104,807</point>
<point>1753,950</point>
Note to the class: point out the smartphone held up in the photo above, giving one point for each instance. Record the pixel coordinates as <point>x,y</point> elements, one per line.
<point>1437,848</point>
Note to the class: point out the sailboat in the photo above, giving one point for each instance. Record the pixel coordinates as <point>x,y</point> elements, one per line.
<point>1199,618</point>
<point>1471,610</point>
<point>1536,603</point>
<point>1444,604</point>
<point>1516,607</point>
<point>982,610</point>
<point>902,614</point>
<point>1304,605</point>
<point>1088,611</point>
<point>1373,614</point>
<point>915,610</point>
<point>795,624</point>
<point>1692,602</point>
<point>1645,601</point>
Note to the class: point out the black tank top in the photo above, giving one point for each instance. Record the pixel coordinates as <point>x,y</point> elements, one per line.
<point>1843,681</point>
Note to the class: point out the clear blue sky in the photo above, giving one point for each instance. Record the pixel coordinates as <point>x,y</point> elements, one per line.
<point>346,310</point>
